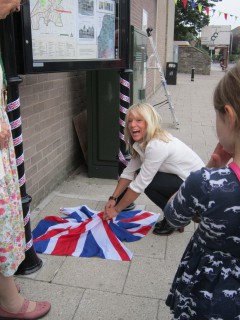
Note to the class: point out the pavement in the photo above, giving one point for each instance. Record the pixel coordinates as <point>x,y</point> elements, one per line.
<point>98,289</point>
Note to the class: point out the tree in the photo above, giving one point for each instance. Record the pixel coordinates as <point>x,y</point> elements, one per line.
<point>236,43</point>
<point>189,22</point>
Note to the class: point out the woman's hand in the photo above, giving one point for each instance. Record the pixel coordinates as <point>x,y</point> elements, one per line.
<point>110,204</point>
<point>109,213</point>
<point>4,135</point>
<point>219,158</point>
<point>8,6</point>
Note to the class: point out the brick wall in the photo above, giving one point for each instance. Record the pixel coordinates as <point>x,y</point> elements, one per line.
<point>191,57</point>
<point>51,148</point>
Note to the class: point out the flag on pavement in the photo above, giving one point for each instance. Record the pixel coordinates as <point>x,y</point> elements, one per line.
<point>83,233</point>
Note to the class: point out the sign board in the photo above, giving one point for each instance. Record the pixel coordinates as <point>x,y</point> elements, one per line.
<point>65,35</point>
<point>215,35</point>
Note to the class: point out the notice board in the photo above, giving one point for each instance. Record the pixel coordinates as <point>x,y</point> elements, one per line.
<point>66,35</point>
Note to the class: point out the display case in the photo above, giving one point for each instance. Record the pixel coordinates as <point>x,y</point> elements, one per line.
<point>66,35</point>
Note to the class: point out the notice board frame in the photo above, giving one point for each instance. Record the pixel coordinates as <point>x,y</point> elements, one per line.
<point>24,49</point>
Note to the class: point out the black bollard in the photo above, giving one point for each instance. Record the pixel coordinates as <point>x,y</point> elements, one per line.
<point>123,157</point>
<point>31,263</point>
<point>192,74</point>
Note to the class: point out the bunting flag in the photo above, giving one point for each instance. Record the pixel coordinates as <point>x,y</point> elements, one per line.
<point>85,234</point>
<point>207,9</point>
<point>193,5</point>
<point>184,3</point>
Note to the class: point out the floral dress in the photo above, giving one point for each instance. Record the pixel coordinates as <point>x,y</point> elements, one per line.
<point>207,283</point>
<point>12,236</point>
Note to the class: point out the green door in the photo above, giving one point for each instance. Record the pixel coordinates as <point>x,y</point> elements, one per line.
<point>103,123</point>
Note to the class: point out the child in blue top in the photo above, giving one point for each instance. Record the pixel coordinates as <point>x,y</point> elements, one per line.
<point>207,283</point>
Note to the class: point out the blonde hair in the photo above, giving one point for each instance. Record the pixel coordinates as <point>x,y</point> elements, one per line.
<point>153,128</point>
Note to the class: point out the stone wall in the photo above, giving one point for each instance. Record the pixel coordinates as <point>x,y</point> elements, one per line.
<point>191,57</point>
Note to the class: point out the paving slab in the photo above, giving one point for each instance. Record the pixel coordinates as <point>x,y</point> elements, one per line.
<point>93,273</point>
<point>97,289</point>
<point>113,306</point>
<point>149,277</point>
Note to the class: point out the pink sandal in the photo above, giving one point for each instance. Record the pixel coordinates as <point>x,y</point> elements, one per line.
<point>40,310</point>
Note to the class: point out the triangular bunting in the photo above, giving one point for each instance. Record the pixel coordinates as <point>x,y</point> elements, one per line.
<point>207,9</point>
<point>199,7</point>
<point>184,3</point>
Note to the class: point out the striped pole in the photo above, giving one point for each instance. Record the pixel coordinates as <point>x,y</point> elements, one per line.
<point>31,263</point>
<point>123,108</point>
<point>125,100</point>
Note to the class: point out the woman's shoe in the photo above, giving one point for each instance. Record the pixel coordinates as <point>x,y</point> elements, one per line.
<point>165,229</point>
<point>40,310</point>
<point>160,224</point>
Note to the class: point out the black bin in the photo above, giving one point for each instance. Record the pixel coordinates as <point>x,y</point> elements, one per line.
<point>171,73</point>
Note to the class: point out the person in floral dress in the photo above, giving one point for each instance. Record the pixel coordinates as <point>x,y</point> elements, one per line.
<point>12,236</point>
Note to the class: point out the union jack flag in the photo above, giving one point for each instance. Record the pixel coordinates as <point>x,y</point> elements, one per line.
<point>85,234</point>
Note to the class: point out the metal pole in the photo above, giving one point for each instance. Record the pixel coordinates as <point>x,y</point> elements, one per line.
<point>31,263</point>
<point>123,108</point>
<point>124,98</point>
<point>231,42</point>
<point>192,74</point>
<point>227,56</point>
<point>123,156</point>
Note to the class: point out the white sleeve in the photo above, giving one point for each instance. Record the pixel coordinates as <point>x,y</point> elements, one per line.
<point>133,165</point>
<point>155,154</point>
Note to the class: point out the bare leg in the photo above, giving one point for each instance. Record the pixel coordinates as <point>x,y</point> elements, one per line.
<point>10,299</point>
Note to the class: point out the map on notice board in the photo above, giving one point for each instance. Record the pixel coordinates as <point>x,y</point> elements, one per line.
<point>73,29</point>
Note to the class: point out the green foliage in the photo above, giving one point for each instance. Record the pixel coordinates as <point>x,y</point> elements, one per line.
<point>190,21</point>
<point>236,44</point>
<point>204,50</point>
<point>234,57</point>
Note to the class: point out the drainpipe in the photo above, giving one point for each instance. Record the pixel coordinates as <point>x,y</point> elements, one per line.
<point>156,41</point>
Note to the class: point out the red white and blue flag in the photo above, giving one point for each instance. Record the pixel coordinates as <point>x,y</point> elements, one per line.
<point>85,234</point>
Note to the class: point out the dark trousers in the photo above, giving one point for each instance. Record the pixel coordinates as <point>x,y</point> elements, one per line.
<point>162,187</point>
